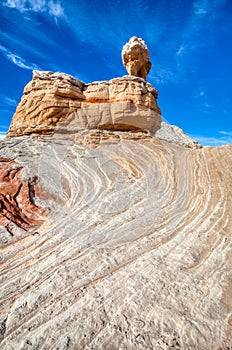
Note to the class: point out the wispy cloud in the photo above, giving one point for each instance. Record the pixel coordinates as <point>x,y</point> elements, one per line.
<point>19,61</point>
<point>16,59</point>
<point>186,48</point>
<point>7,101</point>
<point>161,76</point>
<point>227,133</point>
<point>53,8</point>
<point>194,38</point>
<point>110,25</point>
<point>207,7</point>
<point>26,5</point>
<point>214,140</point>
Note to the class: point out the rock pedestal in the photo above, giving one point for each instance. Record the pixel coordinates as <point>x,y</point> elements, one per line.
<point>56,100</point>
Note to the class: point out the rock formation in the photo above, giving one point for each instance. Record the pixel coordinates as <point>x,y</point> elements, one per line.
<point>136,250</point>
<point>115,228</point>
<point>54,101</point>
<point>176,135</point>
<point>135,57</point>
<point>18,208</point>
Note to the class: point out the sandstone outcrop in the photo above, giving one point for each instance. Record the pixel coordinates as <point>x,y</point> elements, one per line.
<point>135,57</point>
<point>135,254</point>
<point>53,101</point>
<point>174,134</point>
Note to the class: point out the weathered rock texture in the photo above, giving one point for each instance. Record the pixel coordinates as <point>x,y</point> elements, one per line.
<point>18,207</point>
<point>135,57</point>
<point>176,135</point>
<point>54,101</point>
<point>136,253</point>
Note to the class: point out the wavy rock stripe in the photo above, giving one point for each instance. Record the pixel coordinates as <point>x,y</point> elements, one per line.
<point>136,253</point>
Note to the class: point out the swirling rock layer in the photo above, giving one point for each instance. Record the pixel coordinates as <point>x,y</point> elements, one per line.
<point>136,253</point>
<point>54,101</point>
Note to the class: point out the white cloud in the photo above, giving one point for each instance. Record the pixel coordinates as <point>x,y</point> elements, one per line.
<point>17,60</point>
<point>17,4</point>
<point>37,5</point>
<point>212,140</point>
<point>53,8</point>
<point>228,133</point>
<point>5,100</point>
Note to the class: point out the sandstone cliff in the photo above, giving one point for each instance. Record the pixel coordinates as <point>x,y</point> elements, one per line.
<point>111,238</point>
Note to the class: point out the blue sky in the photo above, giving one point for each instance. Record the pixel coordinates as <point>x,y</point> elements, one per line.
<point>189,43</point>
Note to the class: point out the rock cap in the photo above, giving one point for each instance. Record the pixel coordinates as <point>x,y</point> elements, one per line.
<point>135,57</point>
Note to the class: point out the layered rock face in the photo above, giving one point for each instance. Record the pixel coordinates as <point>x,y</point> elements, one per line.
<point>54,101</point>
<point>135,254</point>
<point>135,57</point>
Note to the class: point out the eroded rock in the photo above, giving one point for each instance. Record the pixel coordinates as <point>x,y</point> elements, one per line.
<point>174,134</point>
<point>135,57</point>
<point>17,198</point>
<point>54,101</point>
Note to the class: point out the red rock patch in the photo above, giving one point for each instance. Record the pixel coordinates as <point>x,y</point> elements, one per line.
<point>17,198</point>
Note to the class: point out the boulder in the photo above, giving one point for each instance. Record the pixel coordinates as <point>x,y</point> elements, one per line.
<point>135,57</point>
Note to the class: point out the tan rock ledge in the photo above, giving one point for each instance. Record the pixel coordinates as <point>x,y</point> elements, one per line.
<point>53,100</point>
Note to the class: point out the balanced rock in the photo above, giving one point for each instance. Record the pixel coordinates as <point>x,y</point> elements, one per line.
<point>135,57</point>
<point>54,101</point>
